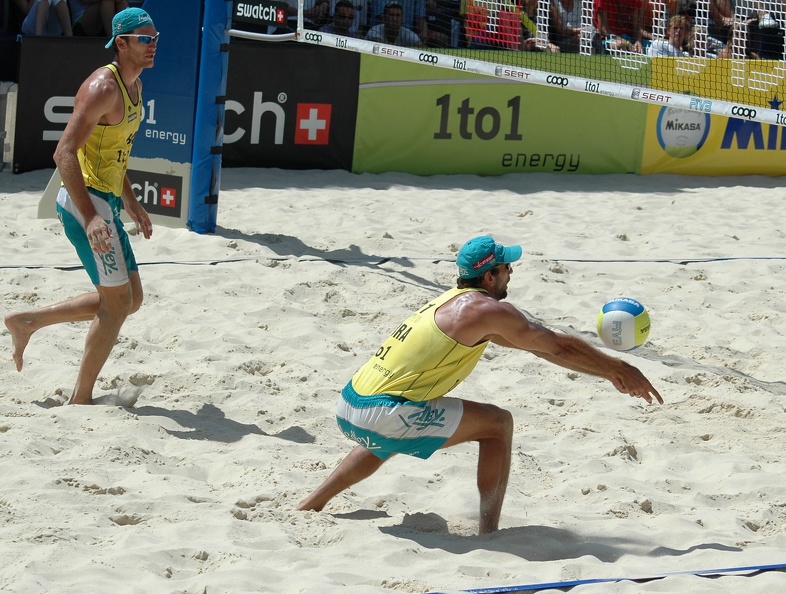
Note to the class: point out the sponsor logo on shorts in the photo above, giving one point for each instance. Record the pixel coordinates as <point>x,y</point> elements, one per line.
<point>425,418</point>
<point>109,262</point>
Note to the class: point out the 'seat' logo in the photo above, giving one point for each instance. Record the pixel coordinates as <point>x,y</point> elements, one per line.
<point>313,123</point>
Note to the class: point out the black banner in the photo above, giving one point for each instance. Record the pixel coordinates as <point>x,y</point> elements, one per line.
<point>288,105</point>
<point>291,106</point>
<point>258,12</point>
<point>51,69</point>
<point>160,194</point>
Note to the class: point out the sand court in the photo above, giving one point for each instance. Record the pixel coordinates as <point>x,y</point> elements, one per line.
<point>246,336</point>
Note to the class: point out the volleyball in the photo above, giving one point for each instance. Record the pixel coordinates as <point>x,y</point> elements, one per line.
<point>623,324</point>
<point>681,133</point>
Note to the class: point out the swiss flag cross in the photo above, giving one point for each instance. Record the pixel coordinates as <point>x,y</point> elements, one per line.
<point>169,197</point>
<point>281,17</point>
<point>313,123</point>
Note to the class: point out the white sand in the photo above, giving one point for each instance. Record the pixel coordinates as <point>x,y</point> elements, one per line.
<point>247,335</point>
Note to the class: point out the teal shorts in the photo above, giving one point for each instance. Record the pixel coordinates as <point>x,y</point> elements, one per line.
<point>105,270</point>
<point>387,425</point>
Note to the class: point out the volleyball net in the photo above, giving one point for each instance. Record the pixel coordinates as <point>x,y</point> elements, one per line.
<point>699,55</point>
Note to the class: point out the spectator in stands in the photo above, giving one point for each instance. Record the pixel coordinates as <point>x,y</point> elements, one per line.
<point>566,24</point>
<point>316,13</point>
<point>621,24</point>
<point>12,19</point>
<point>94,17</point>
<point>359,26</point>
<point>771,37</point>
<point>343,18</point>
<point>763,34</point>
<point>413,15</point>
<point>530,42</point>
<point>391,31</point>
<point>678,35</point>
<point>47,17</point>
<point>438,25</point>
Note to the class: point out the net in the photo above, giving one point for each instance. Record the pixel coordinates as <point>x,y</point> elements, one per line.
<point>703,55</point>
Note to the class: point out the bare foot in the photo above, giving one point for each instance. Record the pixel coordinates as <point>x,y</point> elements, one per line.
<point>72,401</point>
<point>21,328</point>
<point>306,505</point>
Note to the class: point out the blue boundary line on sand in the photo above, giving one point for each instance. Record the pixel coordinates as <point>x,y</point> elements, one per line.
<point>572,583</point>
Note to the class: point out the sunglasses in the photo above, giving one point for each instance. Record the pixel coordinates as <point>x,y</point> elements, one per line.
<point>143,39</point>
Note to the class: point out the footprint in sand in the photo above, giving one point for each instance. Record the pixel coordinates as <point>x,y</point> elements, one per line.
<point>125,396</point>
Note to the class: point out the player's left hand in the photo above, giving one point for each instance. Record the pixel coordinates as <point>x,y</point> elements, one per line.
<point>141,219</point>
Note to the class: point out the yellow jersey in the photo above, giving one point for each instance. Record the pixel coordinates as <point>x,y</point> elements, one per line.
<point>104,158</point>
<point>419,361</point>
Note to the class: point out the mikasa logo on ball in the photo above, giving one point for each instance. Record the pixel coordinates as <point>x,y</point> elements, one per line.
<point>681,133</point>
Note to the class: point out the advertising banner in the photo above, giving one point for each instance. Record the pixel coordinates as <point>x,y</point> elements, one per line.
<point>258,15</point>
<point>693,142</point>
<point>290,105</point>
<point>50,72</point>
<point>423,121</point>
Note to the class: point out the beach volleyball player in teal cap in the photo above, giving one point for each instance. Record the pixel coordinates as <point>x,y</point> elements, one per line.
<point>92,158</point>
<point>397,402</point>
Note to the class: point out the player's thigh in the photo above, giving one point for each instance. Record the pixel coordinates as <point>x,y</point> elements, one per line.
<point>482,421</point>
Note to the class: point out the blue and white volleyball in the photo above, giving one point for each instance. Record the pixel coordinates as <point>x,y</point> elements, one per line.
<point>623,324</point>
<point>681,133</point>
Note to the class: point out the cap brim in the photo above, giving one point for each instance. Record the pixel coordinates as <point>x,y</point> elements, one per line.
<point>511,254</point>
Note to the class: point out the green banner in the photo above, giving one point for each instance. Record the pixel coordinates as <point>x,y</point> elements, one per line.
<point>427,121</point>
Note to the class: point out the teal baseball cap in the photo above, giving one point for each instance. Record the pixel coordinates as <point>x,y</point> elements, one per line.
<point>480,254</point>
<point>126,21</point>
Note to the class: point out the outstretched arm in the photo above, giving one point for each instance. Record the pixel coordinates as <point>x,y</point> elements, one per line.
<point>515,331</point>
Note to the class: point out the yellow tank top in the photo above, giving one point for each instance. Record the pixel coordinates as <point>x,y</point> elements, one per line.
<point>104,158</point>
<point>418,361</point>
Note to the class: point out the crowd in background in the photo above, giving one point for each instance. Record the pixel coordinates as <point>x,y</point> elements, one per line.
<point>91,18</point>
<point>616,25</point>
<point>651,27</point>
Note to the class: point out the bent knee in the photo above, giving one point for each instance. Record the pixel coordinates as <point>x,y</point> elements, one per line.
<point>136,303</point>
<point>498,419</point>
<point>505,421</point>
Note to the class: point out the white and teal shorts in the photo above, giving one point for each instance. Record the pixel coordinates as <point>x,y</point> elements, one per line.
<point>106,270</point>
<point>386,425</point>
